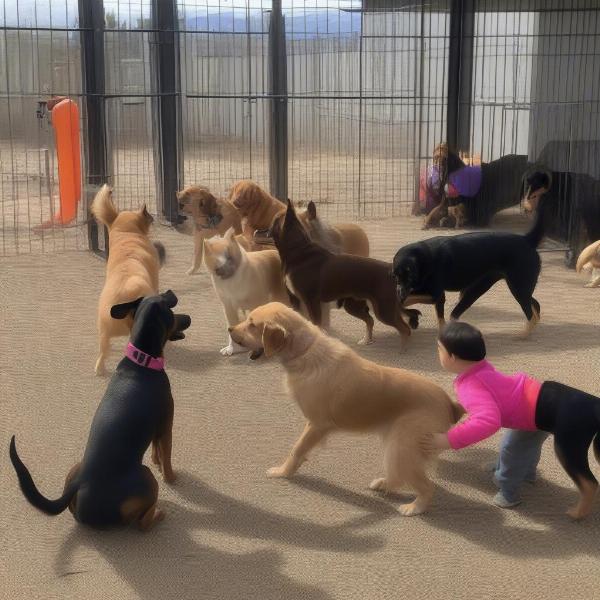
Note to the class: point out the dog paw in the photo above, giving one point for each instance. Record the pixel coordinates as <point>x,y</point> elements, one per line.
<point>231,350</point>
<point>365,341</point>
<point>378,484</point>
<point>171,478</point>
<point>275,472</point>
<point>191,271</point>
<point>411,509</point>
<point>100,371</point>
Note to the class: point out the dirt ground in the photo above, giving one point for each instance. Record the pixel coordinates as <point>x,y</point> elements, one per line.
<point>232,533</point>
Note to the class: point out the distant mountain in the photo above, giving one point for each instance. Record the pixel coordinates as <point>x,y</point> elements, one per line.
<point>298,23</point>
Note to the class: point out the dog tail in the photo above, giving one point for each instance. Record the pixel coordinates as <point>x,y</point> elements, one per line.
<point>586,255</point>
<point>30,491</point>
<point>536,233</point>
<point>103,208</point>
<point>162,253</point>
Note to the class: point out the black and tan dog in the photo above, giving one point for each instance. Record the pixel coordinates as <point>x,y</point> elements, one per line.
<point>315,276</point>
<point>111,486</point>
<point>471,263</point>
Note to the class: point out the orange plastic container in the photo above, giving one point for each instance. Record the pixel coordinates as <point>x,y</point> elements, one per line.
<point>65,120</point>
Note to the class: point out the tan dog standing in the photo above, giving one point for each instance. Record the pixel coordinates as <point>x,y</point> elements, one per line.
<point>242,280</point>
<point>336,389</point>
<point>259,209</point>
<point>347,238</point>
<point>211,216</point>
<point>132,266</point>
<point>589,259</point>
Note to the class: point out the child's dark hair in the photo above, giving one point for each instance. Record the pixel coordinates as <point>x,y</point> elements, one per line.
<point>463,341</point>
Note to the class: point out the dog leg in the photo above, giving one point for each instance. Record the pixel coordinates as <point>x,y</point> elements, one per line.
<point>439,311</point>
<point>310,437</point>
<point>595,279</point>
<point>198,253</point>
<point>573,456</point>
<point>326,317</point>
<point>165,443</point>
<point>156,453</point>
<point>472,292</point>
<point>104,352</point>
<point>360,310</point>
<point>233,318</point>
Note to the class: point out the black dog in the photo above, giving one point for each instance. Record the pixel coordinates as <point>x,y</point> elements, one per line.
<point>317,276</point>
<point>471,263</point>
<point>110,486</point>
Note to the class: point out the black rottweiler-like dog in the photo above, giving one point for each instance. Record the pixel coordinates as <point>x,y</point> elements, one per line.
<point>111,486</point>
<point>471,263</point>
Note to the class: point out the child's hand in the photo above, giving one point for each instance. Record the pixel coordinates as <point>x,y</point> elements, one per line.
<point>434,442</point>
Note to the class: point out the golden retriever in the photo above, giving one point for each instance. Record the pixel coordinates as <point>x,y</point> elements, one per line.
<point>132,266</point>
<point>336,389</point>
<point>259,210</point>
<point>589,259</point>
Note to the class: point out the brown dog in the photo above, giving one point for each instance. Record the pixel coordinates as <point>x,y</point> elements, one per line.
<point>259,209</point>
<point>314,276</point>
<point>337,390</point>
<point>132,266</point>
<point>211,216</point>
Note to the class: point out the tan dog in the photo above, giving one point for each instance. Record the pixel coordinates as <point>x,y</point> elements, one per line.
<point>259,209</point>
<point>346,238</point>
<point>132,266</point>
<point>211,216</point>
<point>589,259</point>
<point>242,280</point>
<point>336,389</point>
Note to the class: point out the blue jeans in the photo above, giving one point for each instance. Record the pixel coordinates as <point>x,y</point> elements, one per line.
<point>519,455</point>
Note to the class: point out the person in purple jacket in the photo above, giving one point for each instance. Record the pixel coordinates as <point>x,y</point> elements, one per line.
<point>531,410</point>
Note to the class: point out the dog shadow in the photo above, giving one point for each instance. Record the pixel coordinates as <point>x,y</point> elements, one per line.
<point>552,534</point>
<point>171,561</point>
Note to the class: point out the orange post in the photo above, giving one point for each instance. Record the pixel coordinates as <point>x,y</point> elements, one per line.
<point>65,120</point>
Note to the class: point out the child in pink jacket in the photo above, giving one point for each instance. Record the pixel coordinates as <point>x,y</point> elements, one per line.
<point>528,408</point>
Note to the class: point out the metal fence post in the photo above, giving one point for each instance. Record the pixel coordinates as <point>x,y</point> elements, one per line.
<point>168,153</point>
<point>460,72</point>
<point>91,23</point>
<point>278,122</point>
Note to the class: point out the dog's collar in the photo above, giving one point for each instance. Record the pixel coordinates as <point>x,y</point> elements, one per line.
<point>144,360</point>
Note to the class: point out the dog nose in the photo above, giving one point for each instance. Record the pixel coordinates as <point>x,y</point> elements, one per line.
<point>230,329</point>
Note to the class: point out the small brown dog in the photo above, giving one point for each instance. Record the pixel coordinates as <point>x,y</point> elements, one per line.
<point>211,216</point>
<point>259,209</point>
<point>132,266</point>
<point>337,390</point>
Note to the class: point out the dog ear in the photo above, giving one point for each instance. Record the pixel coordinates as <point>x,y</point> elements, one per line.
<point>210,205</point>
<point>147,216</point>
<point>170,298</point>
<point>120,311</point>
<point>311,210</point>
<point>273,338</point>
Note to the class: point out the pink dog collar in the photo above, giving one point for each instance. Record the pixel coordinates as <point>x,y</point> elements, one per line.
<point>143,359</point>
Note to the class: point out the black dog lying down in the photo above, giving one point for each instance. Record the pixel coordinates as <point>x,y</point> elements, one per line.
<point>110,486</point>
<point>471,263</point>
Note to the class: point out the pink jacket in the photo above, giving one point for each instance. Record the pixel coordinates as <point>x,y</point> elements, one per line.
<point>493,400</point>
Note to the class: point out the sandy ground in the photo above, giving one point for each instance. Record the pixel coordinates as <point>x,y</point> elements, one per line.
<point>229,531</point>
